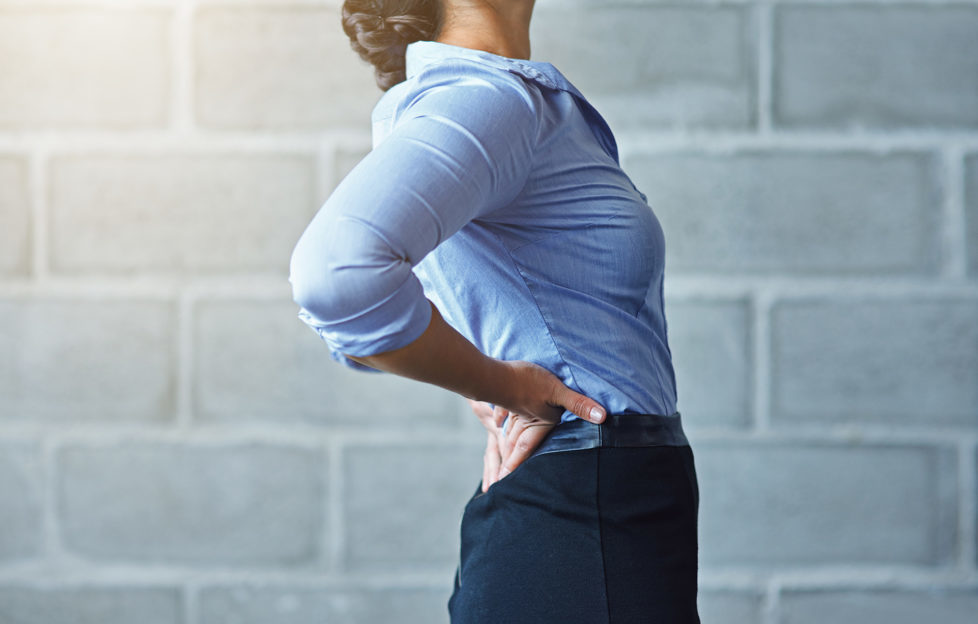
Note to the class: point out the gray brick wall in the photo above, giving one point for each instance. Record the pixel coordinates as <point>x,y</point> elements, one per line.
<point>176,447</point>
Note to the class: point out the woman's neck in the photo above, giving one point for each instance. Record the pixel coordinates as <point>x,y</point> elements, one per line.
<point>498,26</point>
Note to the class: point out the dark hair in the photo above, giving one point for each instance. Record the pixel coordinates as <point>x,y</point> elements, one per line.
<point>380,30</point>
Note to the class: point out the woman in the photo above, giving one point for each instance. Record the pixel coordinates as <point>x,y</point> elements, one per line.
<point>491,244</point>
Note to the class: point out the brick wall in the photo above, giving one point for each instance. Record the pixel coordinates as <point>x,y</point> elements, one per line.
<point>176,447</point>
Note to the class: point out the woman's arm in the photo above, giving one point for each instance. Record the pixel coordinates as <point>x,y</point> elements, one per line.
<point>463,145</point>
<point>444,357</point>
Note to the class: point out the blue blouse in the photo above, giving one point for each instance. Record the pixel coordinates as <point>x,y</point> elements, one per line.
<point>494,189</point>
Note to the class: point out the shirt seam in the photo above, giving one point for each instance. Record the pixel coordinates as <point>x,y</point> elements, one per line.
<point>543,317</point>
<point>665,338</point>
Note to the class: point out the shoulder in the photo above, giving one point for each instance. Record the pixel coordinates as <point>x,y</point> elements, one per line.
<point>469,88</point>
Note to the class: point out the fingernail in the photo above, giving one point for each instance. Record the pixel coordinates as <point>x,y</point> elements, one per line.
<point>596,414</point>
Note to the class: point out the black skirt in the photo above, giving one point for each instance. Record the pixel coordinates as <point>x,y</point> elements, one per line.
<point>598,526</point>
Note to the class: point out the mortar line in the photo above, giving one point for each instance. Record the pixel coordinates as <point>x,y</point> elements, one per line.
<point>765,66</point>
<point>951,232</point>
<point>184,415</point>
<point>771,601</point>
<point>38,161</point>
<point>189,600</point>
<point>967,505</point>
<point>761,304</point>
<point>637,141</point>
<point>325,164</point>
<point>266,286</point>
<point>181,68</point>
<point>51,543</point>
<point>334,526</point>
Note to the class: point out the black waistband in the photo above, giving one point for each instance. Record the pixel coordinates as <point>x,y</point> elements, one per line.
<point>617,430</point>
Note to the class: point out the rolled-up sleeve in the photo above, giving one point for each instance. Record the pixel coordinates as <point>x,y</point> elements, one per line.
<point>461,146</point>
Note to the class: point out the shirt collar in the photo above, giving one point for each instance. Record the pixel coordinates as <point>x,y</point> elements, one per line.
<point>421,53</point>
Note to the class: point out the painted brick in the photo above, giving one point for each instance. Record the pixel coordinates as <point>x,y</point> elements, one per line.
<point>875,361</point>
<point>179,212</point>
<point>794,504</point>
<point>14,216</point>
<point>710,344</point>
<point>54,364</point>
<point>279,68</point>
<point>867,606</point>
<point>257,360</point>
<point>89,605</point>
<point>971,212</point>
<point>20,503</point>
<point>300,605</point>
<point>344,162</point>
<point>404,504</point>
<point>729,606</point>
<point>64,68</point>
<point>792,211</point>
<point>160,502</point>
<point>658,66</point>
<point>875,66</point>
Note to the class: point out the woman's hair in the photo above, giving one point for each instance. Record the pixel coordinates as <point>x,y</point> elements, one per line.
<point>380,30</point>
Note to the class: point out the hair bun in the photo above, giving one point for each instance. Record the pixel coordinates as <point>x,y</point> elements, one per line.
<point>380,37</point>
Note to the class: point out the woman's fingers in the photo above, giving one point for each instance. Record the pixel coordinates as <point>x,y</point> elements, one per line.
<point>480,408</point>
<point>491,462</point>
<point>522,447</point>
<point>486,413</point>
<point>516,426</point>
<point>581,405</point>
<point>499,415</point>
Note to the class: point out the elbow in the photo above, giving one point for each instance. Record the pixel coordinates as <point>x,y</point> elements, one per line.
<point>315,286</point>
<point>337,287</point>
<point>355,290</point>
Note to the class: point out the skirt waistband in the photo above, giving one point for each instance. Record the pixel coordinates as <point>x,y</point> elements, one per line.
<point>617,430</point>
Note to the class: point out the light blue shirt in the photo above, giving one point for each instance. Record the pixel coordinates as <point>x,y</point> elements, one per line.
<point>494,189</point>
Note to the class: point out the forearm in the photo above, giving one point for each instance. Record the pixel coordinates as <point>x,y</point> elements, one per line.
<point>445,358</point>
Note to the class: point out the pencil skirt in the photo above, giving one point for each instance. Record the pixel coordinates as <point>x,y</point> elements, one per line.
<point>604,535</point>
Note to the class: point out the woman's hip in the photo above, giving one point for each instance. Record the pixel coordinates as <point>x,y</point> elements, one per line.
<point>607,533</point>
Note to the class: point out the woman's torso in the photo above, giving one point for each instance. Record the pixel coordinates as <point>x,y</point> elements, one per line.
<point>568,275</point>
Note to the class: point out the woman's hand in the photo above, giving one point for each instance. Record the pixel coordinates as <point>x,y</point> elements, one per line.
<point>534,407</point>
<point>492,459</point>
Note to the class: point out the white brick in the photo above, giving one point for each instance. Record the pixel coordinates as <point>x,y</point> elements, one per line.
<point>769,211</point>
<point>279,68</point>
<point>255,604</point>
<point>710,344</point>
<point>404,505</point>
<point>654,66</point>
<point>891,361</point>
<point>193,504</point>
<point>21,496</point>
<point>876,66</point>
<point>84,67</point>
<point>179,212</point>
<point>14,216</point>
<point>257,360</point>
<point>790,504</point>
<point>872,606</point>
<point>73,360</point>
<point>22,604</point>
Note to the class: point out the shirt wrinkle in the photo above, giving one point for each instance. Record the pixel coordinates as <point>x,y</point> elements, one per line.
<point>543,316</point>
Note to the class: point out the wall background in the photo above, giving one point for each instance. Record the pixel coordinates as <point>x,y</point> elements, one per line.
<point>176,447</point>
